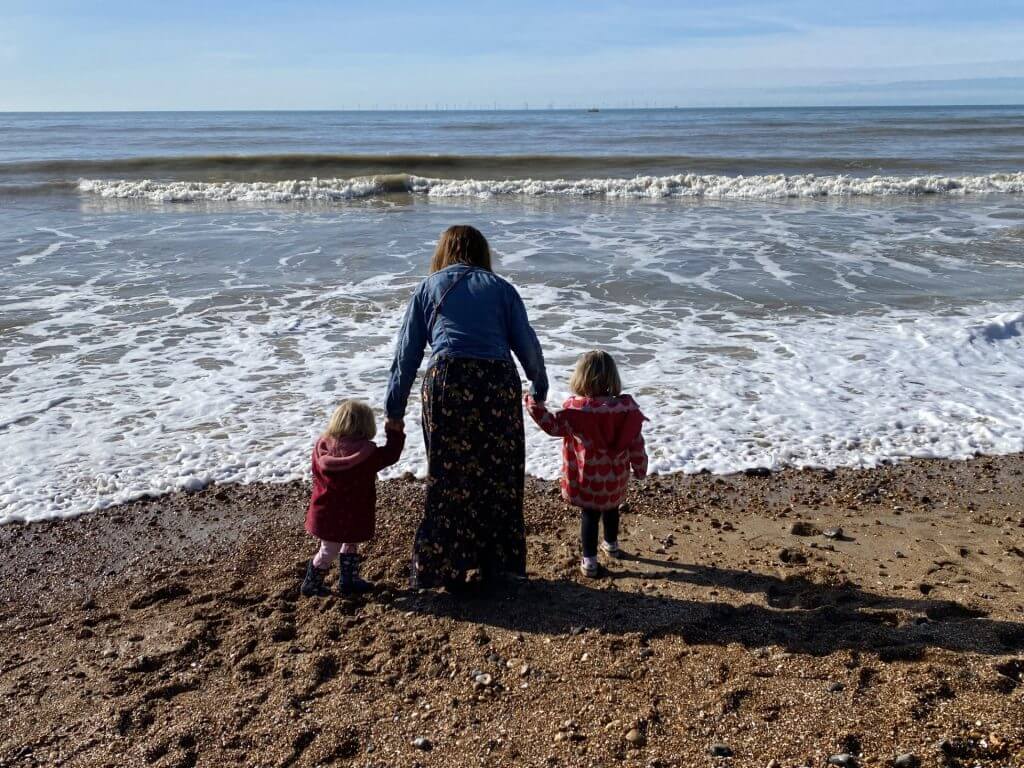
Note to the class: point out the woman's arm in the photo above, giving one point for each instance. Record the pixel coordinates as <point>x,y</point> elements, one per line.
<point>526,346</point>
<point>552,423</point>
<point>408,356</point>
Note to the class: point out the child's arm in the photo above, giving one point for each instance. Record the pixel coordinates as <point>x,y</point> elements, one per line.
<point>638,457</point>
<point>390,452</point>
<point>552,423</point>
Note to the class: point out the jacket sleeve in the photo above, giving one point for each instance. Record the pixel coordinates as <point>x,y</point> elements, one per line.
<point>638,456</point>
<point>390,452</point>
<point>552,423</point>
<point>408,356</point>
<point>526,346</point>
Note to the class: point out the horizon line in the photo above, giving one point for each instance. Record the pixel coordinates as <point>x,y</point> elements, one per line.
<point>597,107</point>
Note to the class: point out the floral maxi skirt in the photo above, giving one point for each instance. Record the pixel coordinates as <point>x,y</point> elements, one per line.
<point>473,431</point>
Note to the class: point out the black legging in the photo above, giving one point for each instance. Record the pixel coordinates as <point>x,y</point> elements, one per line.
<point>589,519</point>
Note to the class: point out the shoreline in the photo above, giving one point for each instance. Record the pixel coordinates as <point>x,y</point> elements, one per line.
<point>169,631</point>
<point>760,471</point>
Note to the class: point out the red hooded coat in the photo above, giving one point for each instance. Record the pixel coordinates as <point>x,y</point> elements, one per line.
<point>602,440</point>
<point>344,501</point>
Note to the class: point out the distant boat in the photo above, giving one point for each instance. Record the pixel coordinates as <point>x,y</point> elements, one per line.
<point>593,109</point>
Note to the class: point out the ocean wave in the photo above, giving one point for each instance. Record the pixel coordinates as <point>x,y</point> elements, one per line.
<point>36,188</point>
<point>311,190</point>
<point>759,187</point>
<point>286,166</point>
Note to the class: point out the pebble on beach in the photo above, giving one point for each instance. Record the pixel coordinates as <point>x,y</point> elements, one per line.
<point>843,760</point>
<point>907,760</point>
<point>635,737</point>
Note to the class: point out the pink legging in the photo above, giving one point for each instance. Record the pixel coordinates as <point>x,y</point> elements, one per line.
<point>329,550</point>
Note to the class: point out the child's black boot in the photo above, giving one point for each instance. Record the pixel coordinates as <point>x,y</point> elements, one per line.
<point>313,585</point>
<point>349,581</point>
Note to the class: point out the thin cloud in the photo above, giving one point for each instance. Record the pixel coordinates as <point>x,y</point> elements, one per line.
<point>312,54</point>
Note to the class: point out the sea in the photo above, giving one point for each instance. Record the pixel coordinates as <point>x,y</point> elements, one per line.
<point>185,297</point>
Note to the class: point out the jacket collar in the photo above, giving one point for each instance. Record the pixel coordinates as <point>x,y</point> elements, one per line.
<point>334,454</point>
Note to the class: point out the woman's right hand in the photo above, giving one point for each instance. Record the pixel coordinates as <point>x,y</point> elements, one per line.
<point>395,425</point>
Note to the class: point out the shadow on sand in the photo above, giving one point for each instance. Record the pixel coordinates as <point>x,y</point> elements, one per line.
<point>800,616</point>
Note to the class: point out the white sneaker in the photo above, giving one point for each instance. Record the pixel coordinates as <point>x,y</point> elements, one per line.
<point>611,548</point>
<point>589,567</point>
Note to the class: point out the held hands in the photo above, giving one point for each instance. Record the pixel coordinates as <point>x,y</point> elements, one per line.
<point>530,401</point>
<point>395,425</point>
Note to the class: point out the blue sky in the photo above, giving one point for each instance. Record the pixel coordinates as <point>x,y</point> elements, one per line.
<point>314,54</point>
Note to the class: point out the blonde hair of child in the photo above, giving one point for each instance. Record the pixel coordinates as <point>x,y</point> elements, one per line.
<point>353,418</point>
<point>596,375</point>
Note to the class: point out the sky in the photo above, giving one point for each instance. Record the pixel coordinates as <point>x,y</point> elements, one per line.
<point>317,54</point>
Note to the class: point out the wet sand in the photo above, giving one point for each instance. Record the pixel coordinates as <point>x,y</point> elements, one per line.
<point>170,632</point>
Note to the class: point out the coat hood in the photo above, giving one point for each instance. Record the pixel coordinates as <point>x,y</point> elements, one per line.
<point>332,454</point>
<point>610,423</point>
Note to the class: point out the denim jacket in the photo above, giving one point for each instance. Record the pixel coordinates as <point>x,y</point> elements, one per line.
<point>482,316</point>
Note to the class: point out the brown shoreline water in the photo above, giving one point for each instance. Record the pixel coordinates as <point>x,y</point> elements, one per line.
<point>169,632</point>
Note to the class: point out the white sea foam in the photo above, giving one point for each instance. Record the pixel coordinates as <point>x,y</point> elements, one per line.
<point>1000,328</point>
<point>32,258</point>
<point>240,401</point>
<point>140,359</point>
<point>758,187</point>
<point>311,190</point>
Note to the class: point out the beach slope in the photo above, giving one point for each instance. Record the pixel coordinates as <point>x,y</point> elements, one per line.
<point>743,629</point>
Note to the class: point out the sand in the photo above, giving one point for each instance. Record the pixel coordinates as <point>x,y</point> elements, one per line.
<point>170,632</point>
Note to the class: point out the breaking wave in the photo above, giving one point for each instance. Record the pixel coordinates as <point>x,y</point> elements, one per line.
<point>757,187</point>
<point>292,165</point>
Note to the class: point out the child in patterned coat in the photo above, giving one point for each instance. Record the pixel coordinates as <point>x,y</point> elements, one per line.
<point>602,440</point>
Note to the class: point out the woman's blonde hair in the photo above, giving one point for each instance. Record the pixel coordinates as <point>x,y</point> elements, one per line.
<point>596,375</point>
<point>353,418</point>
<point>461,244</point>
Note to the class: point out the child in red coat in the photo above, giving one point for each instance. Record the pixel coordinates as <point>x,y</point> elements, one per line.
<point>602,440</point>
<point>342,509</point>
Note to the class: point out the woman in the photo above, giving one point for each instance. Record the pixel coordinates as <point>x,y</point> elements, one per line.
<point>472,412</point>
